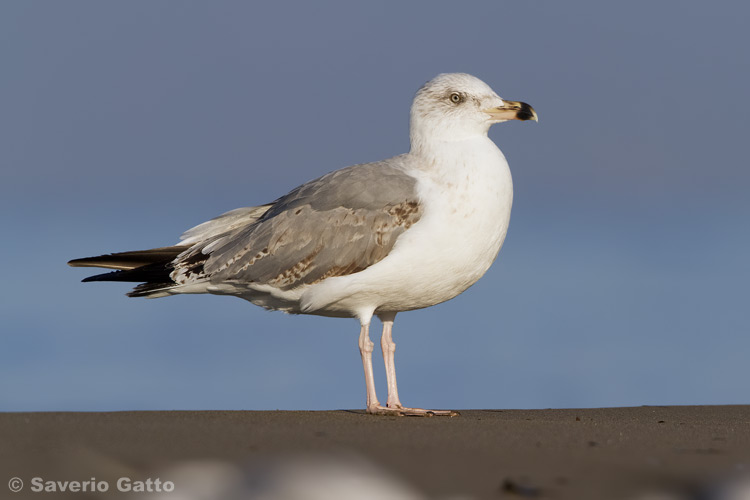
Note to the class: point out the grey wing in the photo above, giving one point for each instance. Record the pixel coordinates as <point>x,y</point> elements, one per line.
<point>223,224</point>
<point>339,224</point>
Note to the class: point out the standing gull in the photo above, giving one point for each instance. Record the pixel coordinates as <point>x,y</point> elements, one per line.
<point>368,240</point>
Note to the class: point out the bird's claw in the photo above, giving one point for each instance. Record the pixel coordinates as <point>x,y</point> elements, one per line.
<point>400,411</point>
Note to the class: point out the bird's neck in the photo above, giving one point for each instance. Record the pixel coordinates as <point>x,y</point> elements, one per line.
<point>427,136</point>
<point>435,152</point>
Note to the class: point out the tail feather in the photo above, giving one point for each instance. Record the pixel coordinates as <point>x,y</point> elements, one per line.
<point>151,290</point>
<point>152,268</point>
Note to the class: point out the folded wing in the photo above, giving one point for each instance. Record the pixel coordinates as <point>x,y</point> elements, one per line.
<point>339,224</point>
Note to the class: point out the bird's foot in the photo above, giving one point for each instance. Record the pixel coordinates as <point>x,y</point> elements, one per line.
<point>400,411</point>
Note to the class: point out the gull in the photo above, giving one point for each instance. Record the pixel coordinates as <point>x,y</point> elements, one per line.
<point>373,239</point>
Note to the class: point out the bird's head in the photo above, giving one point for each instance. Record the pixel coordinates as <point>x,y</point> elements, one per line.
<point>457,106</point>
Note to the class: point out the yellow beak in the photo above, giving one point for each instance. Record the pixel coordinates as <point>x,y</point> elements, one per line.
<point>512,110</point>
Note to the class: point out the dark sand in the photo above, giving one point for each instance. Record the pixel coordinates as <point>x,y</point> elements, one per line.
<point>591,453</point>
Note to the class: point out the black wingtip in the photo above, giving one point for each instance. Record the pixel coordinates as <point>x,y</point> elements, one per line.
<point>152,267</point>
<point>130,260</point>
<point>102,277</point>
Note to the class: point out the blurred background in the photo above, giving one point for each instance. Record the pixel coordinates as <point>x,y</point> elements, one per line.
<point>623,279</point>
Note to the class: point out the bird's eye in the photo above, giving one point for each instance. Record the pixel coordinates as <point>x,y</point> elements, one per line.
<point>456,98</point>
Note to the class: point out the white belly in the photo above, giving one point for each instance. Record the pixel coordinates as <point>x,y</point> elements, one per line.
<point>465,220</point>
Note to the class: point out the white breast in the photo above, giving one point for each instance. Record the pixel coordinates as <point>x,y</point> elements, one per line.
<point>467,200</point>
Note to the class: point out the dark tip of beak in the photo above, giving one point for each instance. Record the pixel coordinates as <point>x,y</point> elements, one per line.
<point>525,113</point>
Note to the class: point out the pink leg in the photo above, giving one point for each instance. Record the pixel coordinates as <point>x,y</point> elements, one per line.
<point>389,355</point>
<point>365,349</point>
<point>393,405</point>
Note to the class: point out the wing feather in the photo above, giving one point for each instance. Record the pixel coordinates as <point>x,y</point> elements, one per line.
<point>339,224</point>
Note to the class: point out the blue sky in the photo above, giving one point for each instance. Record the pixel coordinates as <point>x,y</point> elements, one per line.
<point>623,280</point>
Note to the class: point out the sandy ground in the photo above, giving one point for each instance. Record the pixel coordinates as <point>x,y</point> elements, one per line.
<point>639,453</point>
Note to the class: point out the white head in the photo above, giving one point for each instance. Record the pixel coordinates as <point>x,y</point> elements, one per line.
<point>457,106</point>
